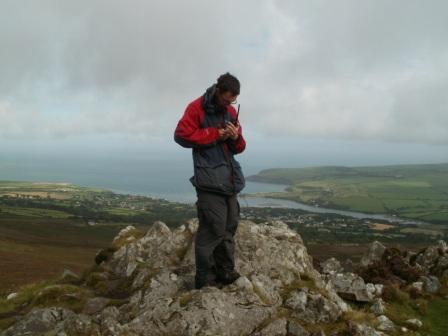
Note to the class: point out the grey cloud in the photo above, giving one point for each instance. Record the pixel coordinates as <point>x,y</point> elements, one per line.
<point>356,70</point>
<point>345,69</point>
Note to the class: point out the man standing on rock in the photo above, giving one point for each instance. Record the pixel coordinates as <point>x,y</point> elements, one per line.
<point>211,128</point>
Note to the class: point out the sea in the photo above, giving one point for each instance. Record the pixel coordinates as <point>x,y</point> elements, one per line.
<point>159,178</point>
<point>163,178</point>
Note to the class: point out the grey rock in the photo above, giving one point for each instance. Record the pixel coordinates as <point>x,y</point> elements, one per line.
<point>276,328</point>
<point>407,255</point>
<point>385,324</point>
<point>371,290</point>
<point>109,325</point>
<point>110,312</point>
<point>441,266</point>
<point>431,283</point>
<point>95,305</point>
<point>348,265</point>
<point>11,296</point>
<point>331,266</point>
<point>69,276</point>
<point>272,244</point>
<point>379,290</point>
<point>414,323</point>
<point>378,307</point>
<point>442,262</point>
<point>78,325</point>
<point>418,285</point>
<point>374,253</point>
<point>312,307</point>
<point>54,321</point>
<point>212,310</point>
<point>428,257</point>
<point>265,289</point>
<point>352,287</point>
<point>141,278</point>
<point>357,329</point>
<point>295,329</point>
<point>443,247</point>
<point>38,322</point>
<point>318,333</point>
<point>297,300</point>
<point>244,283</point>
<point>159,242</point>
<point>123,233</point>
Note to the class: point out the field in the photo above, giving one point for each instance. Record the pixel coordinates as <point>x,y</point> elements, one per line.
<point>409,191</point>
<point>34,249</point>
<point>436,317</point>
<point>46,228</point>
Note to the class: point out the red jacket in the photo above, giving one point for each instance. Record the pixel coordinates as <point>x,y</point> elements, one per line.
<point>190,132</point>
<point>215,168</point>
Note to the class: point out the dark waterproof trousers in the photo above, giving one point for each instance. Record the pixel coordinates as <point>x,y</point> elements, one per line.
<point>218,221</point>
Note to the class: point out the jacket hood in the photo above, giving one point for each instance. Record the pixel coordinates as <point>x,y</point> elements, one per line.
<point>209,103</point>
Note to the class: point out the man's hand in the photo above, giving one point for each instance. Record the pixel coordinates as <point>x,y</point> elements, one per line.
<point>223,134</point>
<point>232,130</point>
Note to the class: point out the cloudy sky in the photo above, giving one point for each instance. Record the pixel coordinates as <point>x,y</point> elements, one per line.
<point>365,77</point>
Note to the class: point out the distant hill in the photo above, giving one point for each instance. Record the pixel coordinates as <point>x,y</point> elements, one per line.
<point>412,191</point>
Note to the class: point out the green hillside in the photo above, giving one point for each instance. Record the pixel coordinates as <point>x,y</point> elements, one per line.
<point>410,191</point>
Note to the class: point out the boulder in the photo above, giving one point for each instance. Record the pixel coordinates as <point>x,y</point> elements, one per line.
<point>331,266</point>
<point>378,307</point>
<point>385,324</point>
<point>11,296</point>
<point>428,257</point>
<point>360,329</point>
<point>351,287</point>
<point>311,307</point>
<point>414,323</point>
<point>69,277</point>
<point>443,247</point>
<point>374,253</point>
<point>431,283</point>
<point>417,286</point>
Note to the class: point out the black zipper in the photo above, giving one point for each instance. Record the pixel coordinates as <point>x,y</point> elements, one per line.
<point>229,161</point>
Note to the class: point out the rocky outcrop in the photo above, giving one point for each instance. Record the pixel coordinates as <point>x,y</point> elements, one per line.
<point>392,267</point>
<point>143,285</point>
<point>433,259</point>
<point>401,268</point>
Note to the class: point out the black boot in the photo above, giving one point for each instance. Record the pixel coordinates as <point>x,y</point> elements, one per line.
<point>227,277</point>
<point>200,280</point>
<point>204,280</point>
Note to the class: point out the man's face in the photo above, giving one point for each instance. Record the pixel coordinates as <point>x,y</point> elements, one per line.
<point>226,98</point>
